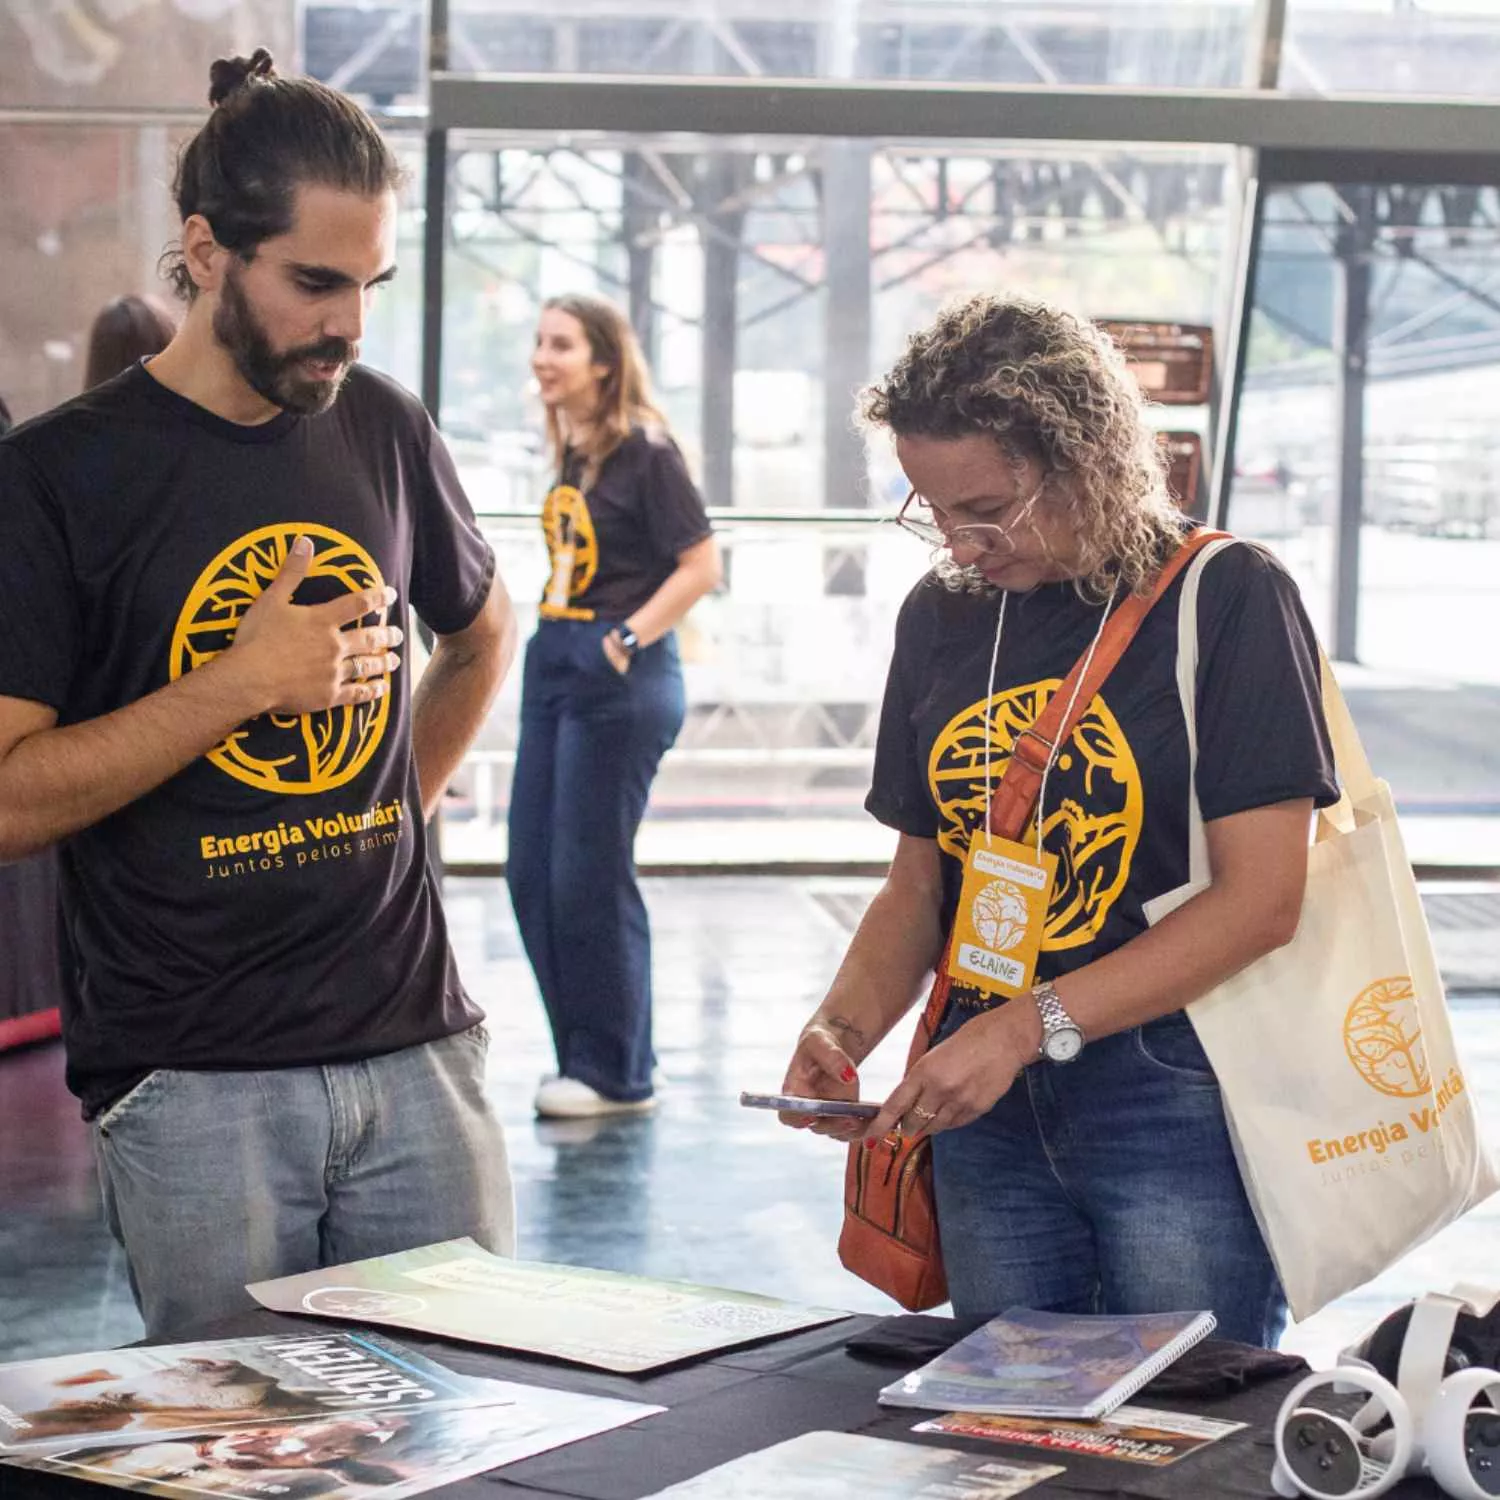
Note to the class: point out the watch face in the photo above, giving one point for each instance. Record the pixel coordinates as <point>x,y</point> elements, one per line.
<point>1063,1045</point>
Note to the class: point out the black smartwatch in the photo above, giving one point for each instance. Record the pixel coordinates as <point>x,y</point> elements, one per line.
<point>629,641</point>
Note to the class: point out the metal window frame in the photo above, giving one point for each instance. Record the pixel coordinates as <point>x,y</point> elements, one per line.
<point>1283,140</point>
<point>1262,119</point>
<point>1290,139</point>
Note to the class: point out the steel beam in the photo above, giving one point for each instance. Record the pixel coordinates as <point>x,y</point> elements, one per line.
<point>1262,70</point>
<point>1258,118</point>
<point>1353,277</point>
<point>846,316</point>
<point>1236,352</point>
<point>721,299</point>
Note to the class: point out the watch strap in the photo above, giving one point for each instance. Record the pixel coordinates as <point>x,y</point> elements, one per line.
<point>1053,1014</point>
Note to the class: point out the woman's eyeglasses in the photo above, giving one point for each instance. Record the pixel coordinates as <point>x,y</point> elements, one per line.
<point>919,518</point>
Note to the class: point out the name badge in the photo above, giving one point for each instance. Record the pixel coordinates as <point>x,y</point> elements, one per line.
<point>1002,915</point>
<point>560,586</point>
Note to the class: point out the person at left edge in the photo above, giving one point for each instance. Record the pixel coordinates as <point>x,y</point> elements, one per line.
<point>601,701</point>
<point>206,566</point>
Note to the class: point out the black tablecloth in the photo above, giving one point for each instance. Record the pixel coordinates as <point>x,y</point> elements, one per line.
<point>743,1400</point>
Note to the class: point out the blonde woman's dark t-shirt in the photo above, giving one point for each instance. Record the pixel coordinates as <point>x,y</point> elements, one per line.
<point>619,541</point>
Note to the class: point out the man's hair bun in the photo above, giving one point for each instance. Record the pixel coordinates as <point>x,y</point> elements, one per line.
<point>229,74</point>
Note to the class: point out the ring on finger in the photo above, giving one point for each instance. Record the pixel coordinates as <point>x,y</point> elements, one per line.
<point>358,668</point>
<point>923,1114</point>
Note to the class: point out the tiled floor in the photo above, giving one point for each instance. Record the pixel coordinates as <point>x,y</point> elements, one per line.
<point>704,1191</point>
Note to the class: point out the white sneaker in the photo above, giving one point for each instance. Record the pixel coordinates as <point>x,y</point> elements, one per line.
<point>569,1099</point>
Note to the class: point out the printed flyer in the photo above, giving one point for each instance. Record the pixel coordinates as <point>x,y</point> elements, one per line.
<point>601,1318</point>
<point>836,1465</point>
<point>1133,1434</point>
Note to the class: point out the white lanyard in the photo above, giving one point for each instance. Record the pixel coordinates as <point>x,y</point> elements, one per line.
<point>1053,751</point>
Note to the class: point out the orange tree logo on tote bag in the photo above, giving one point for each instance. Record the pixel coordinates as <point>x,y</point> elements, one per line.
<point>1383,1037</point>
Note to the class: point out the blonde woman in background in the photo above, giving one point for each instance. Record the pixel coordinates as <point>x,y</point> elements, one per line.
<point>602,701</point>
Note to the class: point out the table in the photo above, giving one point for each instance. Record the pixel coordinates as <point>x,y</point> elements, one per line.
<point>741,1400</point>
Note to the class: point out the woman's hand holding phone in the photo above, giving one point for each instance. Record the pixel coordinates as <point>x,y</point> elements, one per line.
<point>821,1069</point>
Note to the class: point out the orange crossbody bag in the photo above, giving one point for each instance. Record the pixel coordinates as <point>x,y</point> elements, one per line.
<point>890,1234</point>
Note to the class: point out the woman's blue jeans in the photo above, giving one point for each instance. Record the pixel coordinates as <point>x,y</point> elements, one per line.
<point>1107,1185</point>
<point>591,740</point>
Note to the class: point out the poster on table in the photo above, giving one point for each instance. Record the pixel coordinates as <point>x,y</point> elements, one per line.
<point>604,1319</point>
<point>126,1394</point>
<point>353,1455</point>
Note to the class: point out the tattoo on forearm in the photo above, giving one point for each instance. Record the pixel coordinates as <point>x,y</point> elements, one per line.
<point>846,1029</point>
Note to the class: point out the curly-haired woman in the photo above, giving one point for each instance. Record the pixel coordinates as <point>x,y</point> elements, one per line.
<point>1107,1182</point>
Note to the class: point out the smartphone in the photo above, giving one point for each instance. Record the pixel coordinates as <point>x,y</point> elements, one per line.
<point>794,1104</point>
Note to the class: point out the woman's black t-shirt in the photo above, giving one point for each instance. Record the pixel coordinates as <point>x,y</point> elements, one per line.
<point>1116,811</point>
<point>613,548</point>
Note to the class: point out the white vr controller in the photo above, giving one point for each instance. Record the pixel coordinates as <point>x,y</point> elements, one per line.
<point>1329,1457</point>
<point>1447,1427</point>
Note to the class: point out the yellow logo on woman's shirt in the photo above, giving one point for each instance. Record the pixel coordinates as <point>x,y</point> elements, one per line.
<point>573,548</point>
<point>1092,818</point>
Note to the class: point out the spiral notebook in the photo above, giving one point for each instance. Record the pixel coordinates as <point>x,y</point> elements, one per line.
<point>1040,1364</point>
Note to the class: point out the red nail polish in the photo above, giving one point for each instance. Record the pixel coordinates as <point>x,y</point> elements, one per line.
<point>870,1144</point>
<point>849,1075</point>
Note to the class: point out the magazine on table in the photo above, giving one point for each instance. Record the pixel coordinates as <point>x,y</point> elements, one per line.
<point>351,1455</point>
<point>1038,1364</point>
<point>601,1318</point>
<point>835,1465</point>
<point>126,1394</point>
<point>1132,1434</point>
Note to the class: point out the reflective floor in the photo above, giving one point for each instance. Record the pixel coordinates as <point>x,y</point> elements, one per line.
<point>704,1191</point>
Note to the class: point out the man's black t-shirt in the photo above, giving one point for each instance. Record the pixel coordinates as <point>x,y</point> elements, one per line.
<point>1116,810</point>
<point>614,547</point>
<point>271,905</point>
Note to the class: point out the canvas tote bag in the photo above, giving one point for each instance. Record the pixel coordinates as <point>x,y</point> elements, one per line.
<point>1355,1131</point>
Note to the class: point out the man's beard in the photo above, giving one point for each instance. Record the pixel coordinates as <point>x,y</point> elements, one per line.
<point>275,376</point>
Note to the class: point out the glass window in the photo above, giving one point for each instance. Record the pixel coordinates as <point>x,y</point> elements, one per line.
<point>393,328</point>
<point>1181,44</point>
<point>769,283</point>
<point>376,55</point>
<point>1413,266</point>
<point>1439,47</point>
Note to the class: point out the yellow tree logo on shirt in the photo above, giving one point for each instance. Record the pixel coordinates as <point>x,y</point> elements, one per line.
<point>289,753</point>
<point>1094,802</point>
<point>573,548</point>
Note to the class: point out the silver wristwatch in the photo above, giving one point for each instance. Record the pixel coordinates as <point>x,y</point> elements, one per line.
<point>1062,1036</point>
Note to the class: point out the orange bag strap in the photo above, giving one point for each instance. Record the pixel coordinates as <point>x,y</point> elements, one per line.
<point>1011,806</point>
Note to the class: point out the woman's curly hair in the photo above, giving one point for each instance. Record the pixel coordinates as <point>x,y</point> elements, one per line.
<point>1049,387</point>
